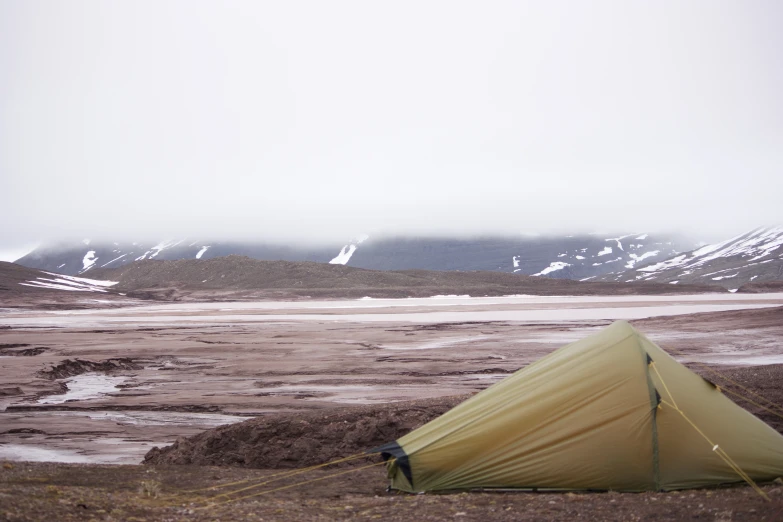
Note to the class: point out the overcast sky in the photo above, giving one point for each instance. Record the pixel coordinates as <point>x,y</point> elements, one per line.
<point>321,120</point>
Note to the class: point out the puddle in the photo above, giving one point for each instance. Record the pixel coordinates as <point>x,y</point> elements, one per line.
<point>432,345</point>
<point>107,450</point>
<point>31,453</point>
<point>155,418</point>
<point>760,360</point>
<point>318,387</point>
<point>348,394</point>
<point>366,400</point>
<point>85,386</point>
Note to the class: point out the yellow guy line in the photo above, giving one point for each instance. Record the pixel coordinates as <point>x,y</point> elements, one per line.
<point>652,365</point>
<point>288,473</point>
<point>721,453</point>
<point>296,472</point>
<point>715,447</point>
<point>731,392</point>
<point>291,485</point>
<point>728,379</point>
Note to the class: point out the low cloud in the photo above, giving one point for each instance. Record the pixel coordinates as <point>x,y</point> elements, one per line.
<point>317,122</point>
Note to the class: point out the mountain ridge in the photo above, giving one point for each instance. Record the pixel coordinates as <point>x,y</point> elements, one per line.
<point>748,259</point>
<point>242,277</point>
<point>568,257</point>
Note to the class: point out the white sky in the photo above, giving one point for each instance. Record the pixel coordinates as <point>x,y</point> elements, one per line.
<point>315,120</point>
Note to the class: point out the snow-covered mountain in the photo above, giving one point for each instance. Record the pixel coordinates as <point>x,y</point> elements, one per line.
<point>752,257</point>
<point>563,257</point>
<point>78,258</point>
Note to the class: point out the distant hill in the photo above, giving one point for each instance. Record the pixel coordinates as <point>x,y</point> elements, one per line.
<point>242,277</point>
<point>752,258</point>
<point>12,276</point>
<point>22,286</point>
<point>560,257</point>
<point>82,257</point>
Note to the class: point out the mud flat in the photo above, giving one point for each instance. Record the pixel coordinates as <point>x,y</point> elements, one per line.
<point>105,386</point>
<point>109,384</point>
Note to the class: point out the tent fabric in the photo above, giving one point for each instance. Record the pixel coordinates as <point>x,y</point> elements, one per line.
<point>592,415</point>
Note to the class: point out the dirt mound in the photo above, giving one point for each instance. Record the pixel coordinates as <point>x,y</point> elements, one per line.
<point>305,439</point>
<point>12,274</point>
<point>302,439</point>
<point>70,368</point>
<point>716,321</point>
<point>23,287</point>
<point>759,288</point>
<point>235,277</point>
<point>20,350</point>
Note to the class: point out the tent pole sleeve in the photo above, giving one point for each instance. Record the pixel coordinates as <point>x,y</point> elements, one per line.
<point>655,400</point>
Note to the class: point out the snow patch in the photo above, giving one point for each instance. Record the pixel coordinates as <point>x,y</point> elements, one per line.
<point>344,256</point>
<point>73,284</point>
<point>725,277</point>
<point>555,265</point>
<point>637,259</point>
<point>617,240</point>
<point>515,260</point>
<point>201,252</point>
<point>664,264</point>
<point>347,251</point>
<point>113,260</point>
<point>160,247</point>
<point>605,251</point>
<point>85,386</point>
<point>88,260</point>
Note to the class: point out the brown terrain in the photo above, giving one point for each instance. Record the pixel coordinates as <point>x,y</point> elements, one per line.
<point>235,277</point>
<point>15,292</point>
<point>757,288</point>
<point>174,385</point>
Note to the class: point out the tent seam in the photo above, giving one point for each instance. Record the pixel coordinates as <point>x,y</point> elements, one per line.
<point>654,424</point>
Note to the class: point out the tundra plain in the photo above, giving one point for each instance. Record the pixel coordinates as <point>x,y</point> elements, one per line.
<point>93,387</point>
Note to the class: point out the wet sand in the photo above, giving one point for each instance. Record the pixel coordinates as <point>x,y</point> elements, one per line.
<point>189,367</point>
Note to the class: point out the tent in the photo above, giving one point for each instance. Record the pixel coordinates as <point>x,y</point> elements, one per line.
<point>610,412</point>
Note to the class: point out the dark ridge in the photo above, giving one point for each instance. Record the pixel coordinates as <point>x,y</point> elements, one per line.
<point>759,288</point>
<point>242,277</point>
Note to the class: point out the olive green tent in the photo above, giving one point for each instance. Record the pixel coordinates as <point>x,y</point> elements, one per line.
<point>612,411</point>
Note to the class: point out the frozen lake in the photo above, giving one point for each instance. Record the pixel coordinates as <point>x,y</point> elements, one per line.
<point>415,310</point>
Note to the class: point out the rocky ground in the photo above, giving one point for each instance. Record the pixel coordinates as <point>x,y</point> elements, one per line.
<point>319,390</point>
<point>70,492</point>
